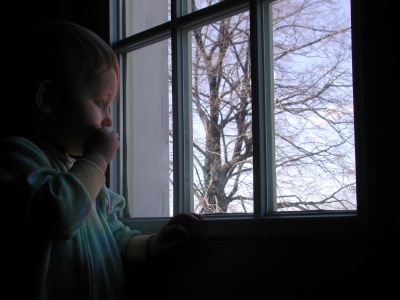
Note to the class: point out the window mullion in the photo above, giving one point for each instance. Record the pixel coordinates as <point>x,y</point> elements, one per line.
<point>117,171</point>
<point>269,117</point>
<point>262,94</point>
<point>182,123</point>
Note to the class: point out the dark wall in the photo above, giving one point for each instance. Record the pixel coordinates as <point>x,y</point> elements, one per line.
<point>310,268</point>
<point>19,16</point>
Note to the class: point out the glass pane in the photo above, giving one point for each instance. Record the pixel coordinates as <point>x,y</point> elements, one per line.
<point>199,4</point>
<point>314,121</point>
<point>222,119</point>
<point>141,15</point>
<point>148,127</point>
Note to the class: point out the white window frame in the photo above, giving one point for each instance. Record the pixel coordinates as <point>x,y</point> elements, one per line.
<point>263,222</point>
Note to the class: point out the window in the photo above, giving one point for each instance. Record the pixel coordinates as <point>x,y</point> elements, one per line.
<point>239,110</point>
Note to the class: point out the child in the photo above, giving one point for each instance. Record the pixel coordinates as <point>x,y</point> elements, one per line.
<point>69,243</point>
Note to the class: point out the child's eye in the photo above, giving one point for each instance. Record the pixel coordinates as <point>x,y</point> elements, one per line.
<point>99,103</point>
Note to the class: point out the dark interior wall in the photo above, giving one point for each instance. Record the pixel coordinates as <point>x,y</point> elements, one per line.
<point>329,268</point>
<point>19,16</point>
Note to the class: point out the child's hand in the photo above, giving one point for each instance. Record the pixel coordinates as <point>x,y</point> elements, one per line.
<point>170,240</point>
<point>100,146</point>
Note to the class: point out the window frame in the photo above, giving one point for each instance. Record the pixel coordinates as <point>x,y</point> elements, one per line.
<point>262,223</point>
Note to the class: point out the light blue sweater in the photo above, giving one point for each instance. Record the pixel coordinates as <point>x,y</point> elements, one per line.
<point>62,237</point>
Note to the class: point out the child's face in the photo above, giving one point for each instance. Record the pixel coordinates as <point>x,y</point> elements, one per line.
<point>88,108</point>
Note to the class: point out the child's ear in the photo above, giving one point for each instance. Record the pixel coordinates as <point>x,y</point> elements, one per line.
<point>44,101</point>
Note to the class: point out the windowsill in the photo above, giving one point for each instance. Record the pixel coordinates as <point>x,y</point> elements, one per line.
<point>277,227</point>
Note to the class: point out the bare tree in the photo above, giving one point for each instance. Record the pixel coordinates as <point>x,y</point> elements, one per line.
<point>314,134</point>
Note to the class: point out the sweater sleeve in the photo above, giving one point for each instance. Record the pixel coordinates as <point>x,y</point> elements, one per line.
<point>90,175</point>
<point>131,243</point>
<point>54,201</point>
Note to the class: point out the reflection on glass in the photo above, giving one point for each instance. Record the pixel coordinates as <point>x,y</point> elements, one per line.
<point>142,15</point>
<point>147,102</point>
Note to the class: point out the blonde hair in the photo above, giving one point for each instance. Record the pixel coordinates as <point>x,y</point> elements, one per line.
<point>70,52</point>
<point>59,52</point>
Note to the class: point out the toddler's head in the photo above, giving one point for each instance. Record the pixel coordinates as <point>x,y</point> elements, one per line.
<point>47,64</point>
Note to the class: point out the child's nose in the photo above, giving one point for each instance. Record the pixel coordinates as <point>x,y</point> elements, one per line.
<point>107,122</point>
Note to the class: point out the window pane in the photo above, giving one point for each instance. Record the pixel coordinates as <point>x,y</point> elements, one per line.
<point>147,103</point>
<point>199,4</point>
<point>141,15</point>
<point>222,119</point>
<point>314,121</point>
<point>312,113</point>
